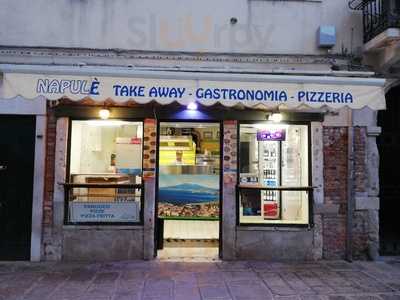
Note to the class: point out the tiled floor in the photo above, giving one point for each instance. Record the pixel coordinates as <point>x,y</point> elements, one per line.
<point>189,250</point>
<point>159,280</point>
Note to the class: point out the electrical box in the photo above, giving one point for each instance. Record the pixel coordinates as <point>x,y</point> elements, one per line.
<point>326,36</point>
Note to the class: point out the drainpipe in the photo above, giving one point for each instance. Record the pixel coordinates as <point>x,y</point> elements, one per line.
<point>350,190</point>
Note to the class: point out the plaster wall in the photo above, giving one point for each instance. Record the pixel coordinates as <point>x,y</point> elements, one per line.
<point>284,27</point>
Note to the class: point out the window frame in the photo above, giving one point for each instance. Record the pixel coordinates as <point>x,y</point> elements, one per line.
<point>68,176</point>
<point>310,223</point>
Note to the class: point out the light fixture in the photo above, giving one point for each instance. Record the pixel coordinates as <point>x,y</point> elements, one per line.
<point>192,106</point>
<point>104,113</point>
<point>275,117</point>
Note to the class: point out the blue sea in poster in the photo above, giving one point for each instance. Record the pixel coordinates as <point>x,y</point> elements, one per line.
<point>188,189</point>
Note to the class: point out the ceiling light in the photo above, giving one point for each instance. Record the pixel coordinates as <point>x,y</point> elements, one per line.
<point>276,117</point>
<point>192,106</point>
<point>104,114</point>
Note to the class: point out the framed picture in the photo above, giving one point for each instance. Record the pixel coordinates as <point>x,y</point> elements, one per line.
<point>208,135</point>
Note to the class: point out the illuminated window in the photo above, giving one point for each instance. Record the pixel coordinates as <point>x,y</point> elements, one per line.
<point>105,171</point>
<point>274,174</point>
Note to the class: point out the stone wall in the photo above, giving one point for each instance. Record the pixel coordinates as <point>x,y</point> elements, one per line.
<point>105,243</point>
<point>365,188</point>
<point>270,243</point>
<point>360,217</point>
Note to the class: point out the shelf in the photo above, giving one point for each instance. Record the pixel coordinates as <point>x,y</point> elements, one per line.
<point>275,188</point>
<point>102,185</point>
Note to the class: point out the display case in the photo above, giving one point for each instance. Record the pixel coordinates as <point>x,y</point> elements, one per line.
<point>177,150</point>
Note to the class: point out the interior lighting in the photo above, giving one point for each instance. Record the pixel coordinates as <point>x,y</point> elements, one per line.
<point>104,113</point>
<point>192,106</point>
<point>275,117</point>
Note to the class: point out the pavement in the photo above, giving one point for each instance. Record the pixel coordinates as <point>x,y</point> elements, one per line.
<point>194,280</point>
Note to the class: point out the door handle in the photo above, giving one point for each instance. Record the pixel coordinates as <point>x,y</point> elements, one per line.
<point>3,168</point>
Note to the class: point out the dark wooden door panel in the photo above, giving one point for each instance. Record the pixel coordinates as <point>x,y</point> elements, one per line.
<point>17,147</point>
<point>389,174</point>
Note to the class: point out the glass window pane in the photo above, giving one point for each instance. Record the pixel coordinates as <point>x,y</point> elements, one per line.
<point>273,156</point>
<point>106,162</point>
<point>295,156</point>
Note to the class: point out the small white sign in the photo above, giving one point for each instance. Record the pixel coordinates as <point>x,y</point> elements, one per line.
<point>104,212</point>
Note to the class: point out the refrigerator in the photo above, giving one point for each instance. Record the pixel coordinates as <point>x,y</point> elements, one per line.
<point>270,174</point>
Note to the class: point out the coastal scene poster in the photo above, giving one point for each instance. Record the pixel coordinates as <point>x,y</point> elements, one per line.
<point>188,196</point>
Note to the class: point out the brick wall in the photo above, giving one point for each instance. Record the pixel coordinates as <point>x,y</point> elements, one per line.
<point>335,141</point>
<point>49,181</point>
<point>335,192</point>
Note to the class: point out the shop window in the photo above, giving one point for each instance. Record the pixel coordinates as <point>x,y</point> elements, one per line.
<point>105,172</point>
<point>274,174</point>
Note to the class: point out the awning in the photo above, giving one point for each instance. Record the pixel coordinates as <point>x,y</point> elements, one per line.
<point>208,88</point>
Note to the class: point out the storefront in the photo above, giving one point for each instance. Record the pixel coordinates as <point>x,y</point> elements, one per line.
<point>173,164</point>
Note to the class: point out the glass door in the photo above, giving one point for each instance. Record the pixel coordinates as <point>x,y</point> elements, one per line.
<point>189,189</point>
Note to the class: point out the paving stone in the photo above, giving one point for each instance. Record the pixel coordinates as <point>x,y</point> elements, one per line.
<point>6,277</point>
<point>6,267</point>
<point>341,265</point>
<point>188,281</point>
<point>296,283</point>
<point>311,297</point>
<point>239,275</point>
<point>390,297</point>
<point>158,288</point>
<point>107,278</point>
<point>233,266</point>
<point>187,293</point>
<point>214,292</point>
<point>129,285</point>
<point>277,285</point>
<point>250,291</point>
<point>247,282</point>
<point>323,290</point>
<point>82,276</point>
<point>159,283</point>
<point>93,297</point>
<point>395,286</point>
<point>365,297</point>
<point>337,297</point>
<point>338,283</point>
<point>165,297</point>
<point>133,274</point>
<point>310,278</point>
<point>286,298</point>
<point>366,282</point>
<point>210,278</point>
<point>126,296</point>
<point>185,279</point>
